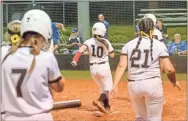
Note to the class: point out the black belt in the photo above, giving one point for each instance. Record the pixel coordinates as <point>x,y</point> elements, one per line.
<point>2,112</point>
<point>129,80</point>
<point>97,63</point>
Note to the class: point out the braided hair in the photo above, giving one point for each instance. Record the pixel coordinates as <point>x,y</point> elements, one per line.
<point>146,27</point>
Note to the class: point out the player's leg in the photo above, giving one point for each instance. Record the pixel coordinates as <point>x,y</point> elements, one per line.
<point>97,78</point>
<point>107,84</point>
<point>138,102</point>
<point>154,103</point>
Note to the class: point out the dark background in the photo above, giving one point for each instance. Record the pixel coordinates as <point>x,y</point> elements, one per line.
<point>64,61</point>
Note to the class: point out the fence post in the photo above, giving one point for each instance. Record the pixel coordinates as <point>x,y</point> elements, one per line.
<point>134,18</point>
<point>1,39</point>
<point>7,14</point>
<point>83,19</point>
<point>63,12</point>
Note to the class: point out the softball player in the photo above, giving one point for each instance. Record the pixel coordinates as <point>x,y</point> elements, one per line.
<point>99,49</point>
<point>156,33</point>
<point>27,72</point>
<point>142,56</point>
<point>13,37</point>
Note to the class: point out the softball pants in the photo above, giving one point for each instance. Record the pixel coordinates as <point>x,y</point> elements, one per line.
<point>147,99</point>
<point>101,73</point>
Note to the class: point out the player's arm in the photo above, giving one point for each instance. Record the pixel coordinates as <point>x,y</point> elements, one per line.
<point>122,65</point>
<point>78,54</point>
<point>120,69</point>
<point>112,54</point>
<point>58,84</point>
<point>119,72</point>
<point>161,66</point>
<point>56,80</point>
<point>167,66</point>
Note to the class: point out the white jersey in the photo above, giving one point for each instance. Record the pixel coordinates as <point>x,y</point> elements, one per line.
<point>4,51</point>
<point>27,93</point>
<point>97,53</point>
<point>141,66</point>
<point>157,34</point>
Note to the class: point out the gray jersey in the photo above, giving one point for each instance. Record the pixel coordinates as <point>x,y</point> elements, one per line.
<point>97,53</point>
<point>27,93</point>
<point>140,66</point>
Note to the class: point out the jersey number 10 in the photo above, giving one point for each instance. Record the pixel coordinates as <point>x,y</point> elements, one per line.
<point>98,53</point>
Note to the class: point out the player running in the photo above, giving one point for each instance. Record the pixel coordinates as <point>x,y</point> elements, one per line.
<point>142,55</point>
<point>28,73</point>
<point>99,49</point>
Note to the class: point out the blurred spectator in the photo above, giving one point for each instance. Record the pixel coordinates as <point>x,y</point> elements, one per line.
<point>160,26</point>
<point>101,19</point>
<point>178,46</point>
<point>74,42</point>
<point>12,36</point>
<point>137,31</point>
<point>56,34</point>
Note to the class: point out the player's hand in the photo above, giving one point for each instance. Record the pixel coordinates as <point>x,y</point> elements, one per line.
<point>114,91</point>
<point>177,85</point>
<point>74,63</point>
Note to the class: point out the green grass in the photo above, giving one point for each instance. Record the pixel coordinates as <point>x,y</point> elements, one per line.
<point>85,75</point>
<point>124,33</point>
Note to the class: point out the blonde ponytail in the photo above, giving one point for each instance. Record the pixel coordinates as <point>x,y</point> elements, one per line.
<point>102,40</point>
<point>35,51</point>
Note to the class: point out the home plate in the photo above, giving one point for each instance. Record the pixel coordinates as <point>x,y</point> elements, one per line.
<point>98,114</point>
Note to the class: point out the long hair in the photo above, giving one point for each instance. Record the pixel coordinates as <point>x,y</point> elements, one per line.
<point>146,27</point>
<point>35,50</point>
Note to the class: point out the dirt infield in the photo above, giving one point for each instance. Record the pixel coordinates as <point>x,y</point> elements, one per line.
<point>87,91</point>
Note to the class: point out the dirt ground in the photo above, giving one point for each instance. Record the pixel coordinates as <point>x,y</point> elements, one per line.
<point>87,91</point>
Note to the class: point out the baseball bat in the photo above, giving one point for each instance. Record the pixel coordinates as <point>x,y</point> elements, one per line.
<point>66,104</point>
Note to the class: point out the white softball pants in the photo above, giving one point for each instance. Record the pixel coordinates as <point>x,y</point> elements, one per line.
<point>147,99</point>
<point>37,117</point>
<point>101,74</point>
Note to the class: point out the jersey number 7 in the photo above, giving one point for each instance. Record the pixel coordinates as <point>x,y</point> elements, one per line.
<point>22,73</point>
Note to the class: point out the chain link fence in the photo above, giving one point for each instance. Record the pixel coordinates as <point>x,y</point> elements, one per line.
<point>121,15</point>
<point>116,12</point>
